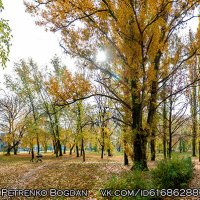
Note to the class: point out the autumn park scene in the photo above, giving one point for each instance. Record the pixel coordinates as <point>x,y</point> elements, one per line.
<point>100,99</point>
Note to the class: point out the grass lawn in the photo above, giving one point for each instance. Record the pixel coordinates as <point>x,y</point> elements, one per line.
<point>66,172</point>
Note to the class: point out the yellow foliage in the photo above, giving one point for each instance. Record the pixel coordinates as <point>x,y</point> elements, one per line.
<point>68,87</point>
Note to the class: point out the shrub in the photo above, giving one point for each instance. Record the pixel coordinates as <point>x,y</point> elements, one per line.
<point>132,180</point>
<point>174,173</point>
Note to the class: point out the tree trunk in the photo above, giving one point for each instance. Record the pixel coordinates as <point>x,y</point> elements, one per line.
<point>59,148</point>
<point>170,145</point>
<point>194,127</point>
<point>102,151</point>
<point>83,155</point>
<point>125,158</point>
<point>153,150</point>
<point>77,151</point>
<point>103,141</point>
<point>109,152</point>
<point>152,106</point>
<point>170,122</point>
<point>125,153</point>
<point>70,152</point>
<point>71,149</point>
<point>119,148</point>
<point>140,159</point>
<point>8,151</point>
<point>56,148</point>
<point>83,150</point>
<point>164,145</point>
<point>38,145</point>
<point>164,128</point>
<point>199,151</point>
<point>32,154</point>
<point>9,148</point>
<point>140,140</point>
<point>45,148</point>
<point>194,105</point>
<point>64,150</point>
<point>95,148</point>
<point>15,150</point>
<point>151,119</point>
<point>194,136</point>
<point>180,145</point>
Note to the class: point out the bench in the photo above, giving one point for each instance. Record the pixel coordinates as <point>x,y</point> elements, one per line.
<point>39,157</point>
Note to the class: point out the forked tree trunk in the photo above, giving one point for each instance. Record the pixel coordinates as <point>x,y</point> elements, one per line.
<point>71,149</point>
<point>83,150</point>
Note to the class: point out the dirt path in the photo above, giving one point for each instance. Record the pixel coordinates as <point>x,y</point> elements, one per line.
<point>195,183</point>
<point>28,177</point>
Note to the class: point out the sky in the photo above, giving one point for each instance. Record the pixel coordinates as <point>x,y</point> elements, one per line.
<point>28,39</point>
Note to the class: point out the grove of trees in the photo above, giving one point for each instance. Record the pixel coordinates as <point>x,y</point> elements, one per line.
<point>144,97</point>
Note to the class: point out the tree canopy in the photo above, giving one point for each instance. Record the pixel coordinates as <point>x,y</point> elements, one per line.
<point>5,38</point>
<point>146,45</point>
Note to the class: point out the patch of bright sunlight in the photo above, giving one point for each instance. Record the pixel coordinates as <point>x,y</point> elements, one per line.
<point>101,56</point>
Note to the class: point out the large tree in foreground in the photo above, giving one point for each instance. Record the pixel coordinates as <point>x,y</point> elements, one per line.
<point>142,39</point>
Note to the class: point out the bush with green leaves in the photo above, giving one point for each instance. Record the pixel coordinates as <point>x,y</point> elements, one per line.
<point>173,173</point>
<point>132,180</point>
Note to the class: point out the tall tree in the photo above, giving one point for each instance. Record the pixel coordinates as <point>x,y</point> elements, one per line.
<point>23,86</point>
<point>12,113</point>
<point>138,34</point>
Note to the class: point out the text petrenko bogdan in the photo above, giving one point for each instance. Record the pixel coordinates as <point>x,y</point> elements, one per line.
<point>5,192</point>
